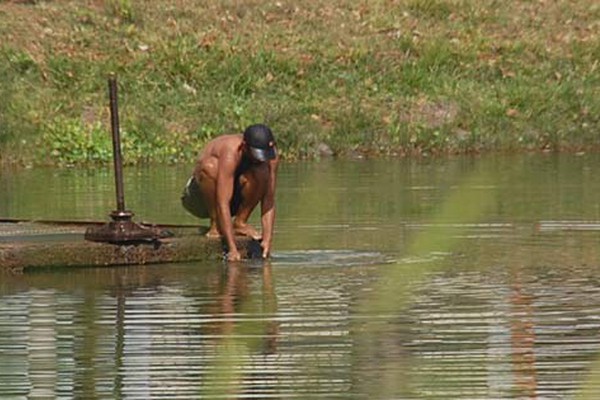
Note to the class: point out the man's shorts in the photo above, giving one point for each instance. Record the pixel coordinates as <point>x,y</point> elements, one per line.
<point>192,199</point>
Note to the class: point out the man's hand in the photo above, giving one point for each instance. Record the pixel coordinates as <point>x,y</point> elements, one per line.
<point>266,251</point>
<point>234,255</point>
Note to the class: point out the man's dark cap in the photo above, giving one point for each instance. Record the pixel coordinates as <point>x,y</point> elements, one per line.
<point>260,141</point>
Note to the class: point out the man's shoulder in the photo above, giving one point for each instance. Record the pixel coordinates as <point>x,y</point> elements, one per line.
<point>223,144</point>
<point>222,150</point>
<point>228,138</point>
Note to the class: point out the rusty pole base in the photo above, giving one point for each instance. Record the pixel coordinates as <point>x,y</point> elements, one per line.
<point>122,230</point>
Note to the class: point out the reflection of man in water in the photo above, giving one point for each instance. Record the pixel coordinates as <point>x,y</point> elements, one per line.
<point>238,299</point>
<point>232,175</point>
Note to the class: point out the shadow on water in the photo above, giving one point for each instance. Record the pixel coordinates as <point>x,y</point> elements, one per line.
<point>443,279</point>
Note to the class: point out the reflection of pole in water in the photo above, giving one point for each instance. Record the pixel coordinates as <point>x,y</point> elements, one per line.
<point>523,340</point>
<point>119,341</point>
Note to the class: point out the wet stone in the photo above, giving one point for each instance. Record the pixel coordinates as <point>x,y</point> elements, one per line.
<point>23,253</point>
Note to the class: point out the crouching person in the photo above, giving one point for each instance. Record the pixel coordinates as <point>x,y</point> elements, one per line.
<point>233,174</point>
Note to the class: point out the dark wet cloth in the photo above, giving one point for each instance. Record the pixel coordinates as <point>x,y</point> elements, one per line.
<point>193,200</point>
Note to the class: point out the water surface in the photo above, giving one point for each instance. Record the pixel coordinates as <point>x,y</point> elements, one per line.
<point>373,291</point>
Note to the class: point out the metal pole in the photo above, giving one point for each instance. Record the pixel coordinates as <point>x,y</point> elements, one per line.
<point>121,230</point>
<point>116,140</point>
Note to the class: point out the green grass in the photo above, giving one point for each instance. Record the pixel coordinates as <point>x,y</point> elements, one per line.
<point>380,77</point>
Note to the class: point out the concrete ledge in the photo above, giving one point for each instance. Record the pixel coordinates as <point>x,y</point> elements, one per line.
<point>20,256</point>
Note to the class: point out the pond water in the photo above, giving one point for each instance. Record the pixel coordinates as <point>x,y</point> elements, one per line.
<point>471,278</point>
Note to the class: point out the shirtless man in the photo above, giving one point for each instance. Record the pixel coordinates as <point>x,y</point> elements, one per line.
<point>232,175</point>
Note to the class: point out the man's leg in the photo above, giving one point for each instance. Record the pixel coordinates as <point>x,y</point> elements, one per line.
<point>208,189</point>
<point>252,190</point>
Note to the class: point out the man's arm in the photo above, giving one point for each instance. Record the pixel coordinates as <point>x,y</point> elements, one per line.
<point>225,177</point>
<point>268,208</point>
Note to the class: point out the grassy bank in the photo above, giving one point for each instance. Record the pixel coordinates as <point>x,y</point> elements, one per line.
<point>377,76</point>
